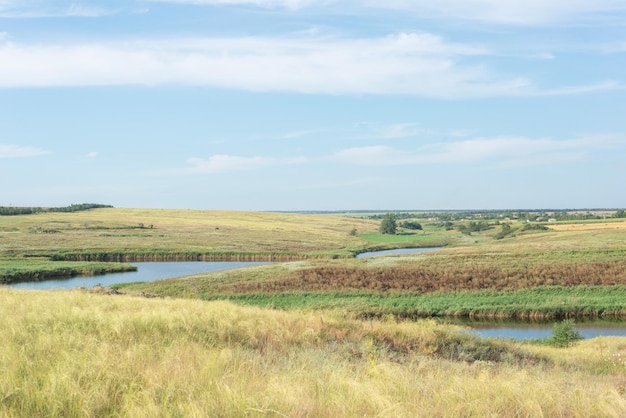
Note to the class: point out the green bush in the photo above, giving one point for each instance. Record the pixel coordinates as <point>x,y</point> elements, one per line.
<point>564,334</point>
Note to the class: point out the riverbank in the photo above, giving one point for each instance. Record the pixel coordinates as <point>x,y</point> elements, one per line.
<point>37,270</point>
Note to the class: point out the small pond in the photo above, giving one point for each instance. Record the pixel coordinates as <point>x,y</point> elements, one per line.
<point>146,272</point>
<point>397,251</point>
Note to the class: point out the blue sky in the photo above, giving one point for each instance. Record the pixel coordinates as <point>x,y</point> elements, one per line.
<point>313,104</point>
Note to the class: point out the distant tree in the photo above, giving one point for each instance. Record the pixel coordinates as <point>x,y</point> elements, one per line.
<point>506,230</point>
<point>411,225</point>
<point>388,224</point>
<point>620,214</point>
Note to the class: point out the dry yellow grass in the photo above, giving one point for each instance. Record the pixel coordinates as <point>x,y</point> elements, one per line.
<point>75,354</point>
<point>588,226</point>
<point>184,231</point>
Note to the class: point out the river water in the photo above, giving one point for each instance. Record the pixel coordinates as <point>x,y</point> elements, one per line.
<point>525,331</point>
<point>146,272</point>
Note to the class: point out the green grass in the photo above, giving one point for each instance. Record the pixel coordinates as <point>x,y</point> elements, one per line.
<point>423,239</point>
<point>534,303</point>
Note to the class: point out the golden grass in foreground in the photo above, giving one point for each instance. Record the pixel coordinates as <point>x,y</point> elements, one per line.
<point>79,354</point>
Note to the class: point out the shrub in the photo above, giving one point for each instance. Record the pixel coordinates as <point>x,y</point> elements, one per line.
<point>564,334</point>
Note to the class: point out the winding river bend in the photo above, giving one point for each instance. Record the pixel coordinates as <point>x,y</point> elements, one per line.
<point>152,271</point>
<point>148,271</point>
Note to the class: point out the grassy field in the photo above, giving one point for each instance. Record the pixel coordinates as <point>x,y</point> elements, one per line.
<point>321,336</point>
<point>151,232</point>
<point>77,354</point>
<point>29,243</point>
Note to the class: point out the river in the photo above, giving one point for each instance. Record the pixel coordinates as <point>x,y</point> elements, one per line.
<point>146,272</point>
<point>533,330</point>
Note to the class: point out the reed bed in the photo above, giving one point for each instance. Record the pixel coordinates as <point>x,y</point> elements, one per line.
<point>75,354</point>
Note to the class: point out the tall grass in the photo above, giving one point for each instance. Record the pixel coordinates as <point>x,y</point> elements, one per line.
<point>76,354</point>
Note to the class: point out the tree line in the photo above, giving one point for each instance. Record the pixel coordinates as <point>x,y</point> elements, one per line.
<point>13,210</point>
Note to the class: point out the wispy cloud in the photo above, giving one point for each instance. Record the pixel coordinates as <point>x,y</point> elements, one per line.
<point>373,130</point>
<point>16,151</point>
<point>92,154</point>
<point>53,8</point>
<point>227,163</point>
<point>416,64</point>
<point>339,184</point>
<point>519,12</point>
<point>499,151</point>
<point>287,4</point>
<point>516,12</point>
<point>301,134</point>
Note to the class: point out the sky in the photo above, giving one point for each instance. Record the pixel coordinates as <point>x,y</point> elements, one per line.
<point>296,105</point>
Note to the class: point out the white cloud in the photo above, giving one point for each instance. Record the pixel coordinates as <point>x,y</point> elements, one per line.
<point>287,4</point>
<point>405,64</point>
<point>225,163</point>
<point>519,12</point>
<point>16,151</point>
<point>340,184</point>
<point>81,10</point>
<point>498,151</point>
<point>52,8</point>
<point>375,130</point>
<point>92,154</point>
<point>301,134</point>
